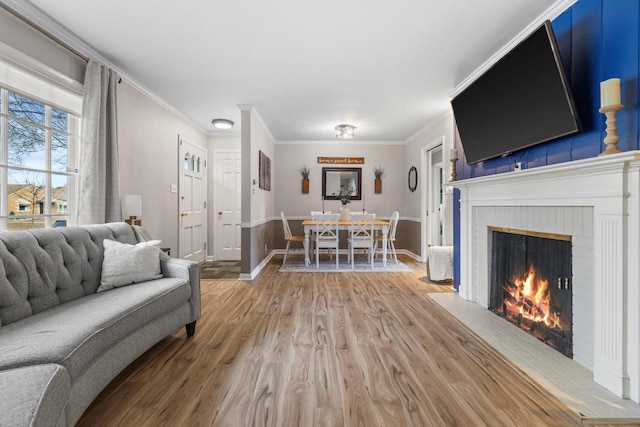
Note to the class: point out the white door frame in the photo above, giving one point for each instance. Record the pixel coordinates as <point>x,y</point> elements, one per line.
<point>427,174</point>
<point>216,208</point>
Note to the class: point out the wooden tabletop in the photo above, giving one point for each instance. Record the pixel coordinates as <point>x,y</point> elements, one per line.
<point>377,222</point>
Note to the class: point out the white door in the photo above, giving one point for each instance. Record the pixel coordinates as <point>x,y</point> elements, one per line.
<point>433,195</point>
<point>193,204</point>
<point>227,231</point>
<point>435,198</point>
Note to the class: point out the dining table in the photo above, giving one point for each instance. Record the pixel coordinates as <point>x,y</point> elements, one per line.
<point>378,225</point>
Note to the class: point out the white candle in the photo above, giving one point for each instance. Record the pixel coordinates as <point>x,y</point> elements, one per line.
<point>609,92</point>
<point>363,211</point>
<point>453,155</point>
<point>322,204</point>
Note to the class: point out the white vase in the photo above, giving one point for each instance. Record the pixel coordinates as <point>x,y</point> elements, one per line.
<point>345,213</point>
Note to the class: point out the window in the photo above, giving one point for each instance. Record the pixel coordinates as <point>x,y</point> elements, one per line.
<point>37,156</point>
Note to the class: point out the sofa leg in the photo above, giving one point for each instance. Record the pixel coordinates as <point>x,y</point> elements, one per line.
<point>191,328</point>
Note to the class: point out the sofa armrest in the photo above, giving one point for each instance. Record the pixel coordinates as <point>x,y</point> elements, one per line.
<point>190,271</point>
<point>34,396</point>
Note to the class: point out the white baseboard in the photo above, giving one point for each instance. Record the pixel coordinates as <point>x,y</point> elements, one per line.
<point>409,253</point>
<point>258,269</point>
<point>345,251</point>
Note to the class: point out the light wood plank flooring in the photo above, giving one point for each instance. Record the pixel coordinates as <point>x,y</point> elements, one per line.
<point>325,349</point>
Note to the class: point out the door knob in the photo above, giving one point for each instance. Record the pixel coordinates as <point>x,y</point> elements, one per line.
<point>184,214</point>
<point>219,212</point>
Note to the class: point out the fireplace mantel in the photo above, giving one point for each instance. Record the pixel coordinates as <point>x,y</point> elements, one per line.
<point>609,187</point>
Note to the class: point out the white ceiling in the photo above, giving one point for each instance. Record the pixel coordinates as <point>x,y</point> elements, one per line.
<point>385,66</point>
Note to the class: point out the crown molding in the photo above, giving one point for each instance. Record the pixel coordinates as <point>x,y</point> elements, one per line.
<point>257,115</point>
<point>445,114</point>
<point>551,13</point>
<point>245,107</point>
<point>41,19</point>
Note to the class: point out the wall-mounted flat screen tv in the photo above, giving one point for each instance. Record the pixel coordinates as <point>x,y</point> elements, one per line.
<point>520,101</point>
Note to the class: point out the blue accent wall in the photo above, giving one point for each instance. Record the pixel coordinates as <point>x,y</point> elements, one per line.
<point>598,40</point>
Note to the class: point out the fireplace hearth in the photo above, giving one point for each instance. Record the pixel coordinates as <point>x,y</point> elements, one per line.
<point>530,284</point>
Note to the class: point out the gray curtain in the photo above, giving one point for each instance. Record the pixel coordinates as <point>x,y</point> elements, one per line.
<point>99,186</point>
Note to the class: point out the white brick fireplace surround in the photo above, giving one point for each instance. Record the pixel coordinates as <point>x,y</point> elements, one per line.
<point>595,201</point>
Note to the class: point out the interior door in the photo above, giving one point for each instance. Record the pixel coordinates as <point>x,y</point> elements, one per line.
<point>227,231</point>
<point>193,204</point>
<point>434,196</point>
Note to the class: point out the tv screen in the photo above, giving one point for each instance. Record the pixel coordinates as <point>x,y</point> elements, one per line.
<point>520,101</point>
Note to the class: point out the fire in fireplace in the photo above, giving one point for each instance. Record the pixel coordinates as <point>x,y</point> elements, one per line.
<point>531,285</point>
<point>528,298</point>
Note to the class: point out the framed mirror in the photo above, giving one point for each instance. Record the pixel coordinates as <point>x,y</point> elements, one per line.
<point>413,179</point>
<point>333,179</point>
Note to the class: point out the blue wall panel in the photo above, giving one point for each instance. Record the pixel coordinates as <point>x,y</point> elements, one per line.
<point>586,30</point>
<point>620,59</point>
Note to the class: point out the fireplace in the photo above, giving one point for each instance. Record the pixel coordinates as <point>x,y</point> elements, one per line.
<point>596,201</point>
<point>530,284</point>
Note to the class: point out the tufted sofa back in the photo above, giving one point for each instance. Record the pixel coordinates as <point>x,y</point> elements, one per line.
<point>43,268</point>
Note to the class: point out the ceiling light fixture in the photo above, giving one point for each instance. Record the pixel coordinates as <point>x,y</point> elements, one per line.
<point>222,124</point>
<point>345,131</point>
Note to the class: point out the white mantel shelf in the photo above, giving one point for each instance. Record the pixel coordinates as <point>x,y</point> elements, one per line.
<point>545,173</point>
<point>608,188</point>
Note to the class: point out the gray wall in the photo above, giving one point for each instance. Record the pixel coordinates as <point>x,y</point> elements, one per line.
<point>257,242</point>
<point>148,152</point>
<point>408,236</point>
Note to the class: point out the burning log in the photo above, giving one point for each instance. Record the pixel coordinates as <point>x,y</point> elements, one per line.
<point>529,297</point>
<point>510,299</point>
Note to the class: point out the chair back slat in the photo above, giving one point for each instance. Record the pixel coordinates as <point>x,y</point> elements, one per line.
<point>326,235</point>
<point>362,226</point>
<point>327,226</point>
<point>393,224</point>
<point>285,226</point>
<point>361,233</point>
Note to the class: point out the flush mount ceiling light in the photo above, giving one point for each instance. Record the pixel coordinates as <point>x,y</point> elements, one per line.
<point>222,124</point>
<point>345,131</point>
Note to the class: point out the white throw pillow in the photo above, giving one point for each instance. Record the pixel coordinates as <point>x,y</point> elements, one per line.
<point>125,264</point>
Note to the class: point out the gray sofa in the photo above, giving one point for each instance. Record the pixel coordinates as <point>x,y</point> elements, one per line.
<point>61,342</point>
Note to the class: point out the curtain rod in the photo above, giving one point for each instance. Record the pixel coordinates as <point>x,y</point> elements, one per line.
<point>44,32</point>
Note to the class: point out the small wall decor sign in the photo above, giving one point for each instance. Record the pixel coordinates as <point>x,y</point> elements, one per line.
<point>341,160</point>
<point>264,172</point>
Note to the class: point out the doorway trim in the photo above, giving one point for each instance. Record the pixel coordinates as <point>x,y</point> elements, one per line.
<point>427,174</point>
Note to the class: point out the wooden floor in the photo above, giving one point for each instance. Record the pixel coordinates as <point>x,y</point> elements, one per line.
<point>325,349</point>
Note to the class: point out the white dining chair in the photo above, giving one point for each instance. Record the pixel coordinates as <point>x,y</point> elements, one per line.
<point>326,235</point>
<point>313,216</point>
<point>361,235</point>
<point>391,237</point>
<point>289,238</point>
